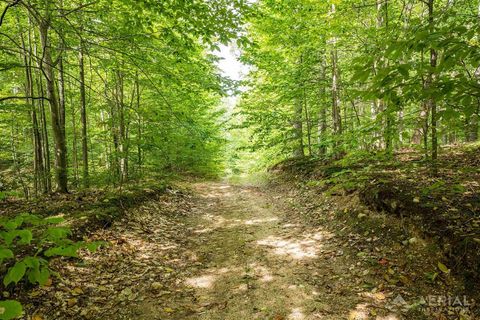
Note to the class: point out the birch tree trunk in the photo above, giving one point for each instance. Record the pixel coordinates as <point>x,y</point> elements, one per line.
<point>336,116</point>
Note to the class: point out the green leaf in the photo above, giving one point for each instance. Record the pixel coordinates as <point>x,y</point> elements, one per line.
<point>443,268</point>
<point>15,273</point>
<point>64,251</point>
<point>93,246</point>
<point>31,218</point>
<point>25,236</point>
<point>361,75</point>
<point>10,309</point>
<point>467,100</point>
<point>32,262</point>
<point>53,220</point>
<point>39,275</point>
<point>8,237</point>
<point>57,233</point>
<point>403,69</point>
<point>13,224</point>
<point>5,254</point>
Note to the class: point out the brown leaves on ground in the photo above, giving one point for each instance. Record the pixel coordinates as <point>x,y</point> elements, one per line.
<point>231,252</point>
<point>138,264</point>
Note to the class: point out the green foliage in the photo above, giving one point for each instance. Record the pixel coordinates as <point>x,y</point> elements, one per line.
<point>152,90</point>
<point>374,62</point>
<point>24,233</point>
<point>10,309</point>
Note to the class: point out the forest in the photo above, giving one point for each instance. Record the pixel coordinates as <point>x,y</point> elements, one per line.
<point>336,176</point>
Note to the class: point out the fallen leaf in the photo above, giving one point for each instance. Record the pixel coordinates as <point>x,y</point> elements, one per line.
<point>48,283</point>
<point>379,296</point>
<point>71,302</point>
<point>157,286</point>
<point>35,293</point>
<point>77,291</point>
<point>443,268</point>
<point>405,280</point>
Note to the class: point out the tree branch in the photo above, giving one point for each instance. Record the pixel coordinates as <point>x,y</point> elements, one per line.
<point>14,3</point>
<point>17,97</point>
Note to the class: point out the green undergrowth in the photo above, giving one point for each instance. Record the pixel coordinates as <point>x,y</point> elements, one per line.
<point>389,254</point>
<point>444,207</point>
<point>33,232</point>
<point>89,209</point>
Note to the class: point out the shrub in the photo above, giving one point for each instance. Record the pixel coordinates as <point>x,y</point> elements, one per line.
<point>27,243</point>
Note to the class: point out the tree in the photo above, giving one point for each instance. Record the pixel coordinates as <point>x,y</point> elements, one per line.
<point>139,74</point>
<point>385,63</point>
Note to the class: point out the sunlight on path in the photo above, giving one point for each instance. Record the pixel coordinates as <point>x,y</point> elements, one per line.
<point>249,258</point>
<point>246,259</point>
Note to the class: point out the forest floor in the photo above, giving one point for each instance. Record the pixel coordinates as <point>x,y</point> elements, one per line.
<point>220,251</point>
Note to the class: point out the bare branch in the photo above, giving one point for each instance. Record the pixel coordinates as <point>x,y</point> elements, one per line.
<point>10,5</point>
<point>22,98</point>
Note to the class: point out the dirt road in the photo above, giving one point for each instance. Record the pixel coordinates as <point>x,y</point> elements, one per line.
<point>221,252</point>
<point>251,261</point>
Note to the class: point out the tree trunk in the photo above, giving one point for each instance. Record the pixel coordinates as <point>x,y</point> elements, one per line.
<point>39,170</point>
<point>432,104</point>
<point>83,117</point>
<point>114,158</point>
<point>298,151</point>
<point>58,133</point>
<point>322,115</point>
<point>122,141</point>
<point>298,130</point>
<point>307,121</point>
<point>139,129</point>
<point>382,22</point>
<point>45,138</point>
<point>336,116</point>
<point>337,120</point>
<point>74,145</point>
<point>61,94</point>
<point>43,120</point>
